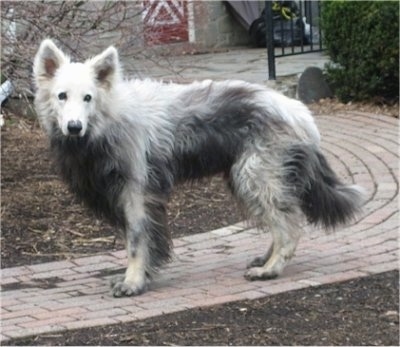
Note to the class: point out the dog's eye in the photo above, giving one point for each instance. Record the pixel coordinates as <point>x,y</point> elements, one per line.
<point>87,98</point>
<point>62,96</point>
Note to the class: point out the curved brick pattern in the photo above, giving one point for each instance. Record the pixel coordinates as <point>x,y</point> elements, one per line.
<point>208,268</point>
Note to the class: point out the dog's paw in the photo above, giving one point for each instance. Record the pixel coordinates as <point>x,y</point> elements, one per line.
<point>260,273</point>
<point>116,279</point>
<point>257,262</point>
<point>121,288</point>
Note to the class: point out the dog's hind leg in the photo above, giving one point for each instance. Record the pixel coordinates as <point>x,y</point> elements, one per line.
<point>285,240</point>
<point>258,184</point>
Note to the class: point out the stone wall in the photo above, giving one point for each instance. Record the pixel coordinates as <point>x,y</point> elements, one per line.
<point>215,26</point>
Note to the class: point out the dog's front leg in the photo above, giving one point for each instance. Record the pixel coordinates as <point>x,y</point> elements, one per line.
<point>134,281</point>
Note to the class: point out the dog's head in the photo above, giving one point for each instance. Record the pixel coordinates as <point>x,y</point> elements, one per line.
<point>68,92</point>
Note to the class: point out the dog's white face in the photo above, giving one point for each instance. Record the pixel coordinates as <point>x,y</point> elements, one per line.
<point>72,89</point>
<point>73,98</point>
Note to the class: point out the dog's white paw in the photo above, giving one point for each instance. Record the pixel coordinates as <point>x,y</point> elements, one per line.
<point>260,273</point>
<point>121,288</point>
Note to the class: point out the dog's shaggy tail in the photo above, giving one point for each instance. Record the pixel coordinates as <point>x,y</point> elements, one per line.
<point>323,198</point>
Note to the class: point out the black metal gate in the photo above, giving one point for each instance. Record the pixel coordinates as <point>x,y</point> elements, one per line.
<point>291,30</point>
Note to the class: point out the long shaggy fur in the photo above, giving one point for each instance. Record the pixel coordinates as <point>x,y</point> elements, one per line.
<point>322,197</point>
<point>139,138</point>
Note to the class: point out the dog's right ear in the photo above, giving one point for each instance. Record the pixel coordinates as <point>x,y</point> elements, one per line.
<point>47,61</point>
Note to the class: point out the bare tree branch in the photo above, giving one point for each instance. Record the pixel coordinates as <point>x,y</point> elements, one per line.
<point>82,28</point>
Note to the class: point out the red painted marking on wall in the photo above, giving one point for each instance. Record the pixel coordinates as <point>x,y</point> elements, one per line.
<point>165,21</point>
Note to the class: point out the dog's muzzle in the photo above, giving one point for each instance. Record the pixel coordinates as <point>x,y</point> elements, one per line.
<point>74,127</point>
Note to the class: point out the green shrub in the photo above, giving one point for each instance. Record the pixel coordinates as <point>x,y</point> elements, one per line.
<point>362,40</point>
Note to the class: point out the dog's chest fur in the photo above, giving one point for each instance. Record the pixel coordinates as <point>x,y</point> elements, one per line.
<point>93,174</point>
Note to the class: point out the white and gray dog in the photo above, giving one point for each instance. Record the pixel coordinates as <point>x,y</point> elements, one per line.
<point>122,145</point>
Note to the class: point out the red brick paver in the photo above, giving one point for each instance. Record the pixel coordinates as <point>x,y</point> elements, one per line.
<point>208,268</point>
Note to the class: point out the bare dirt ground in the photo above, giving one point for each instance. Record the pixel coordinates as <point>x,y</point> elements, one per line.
<point>42,222</point>
<point>359,312</point>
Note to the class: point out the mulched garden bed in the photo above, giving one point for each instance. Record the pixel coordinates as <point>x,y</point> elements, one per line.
<point>358,312</point>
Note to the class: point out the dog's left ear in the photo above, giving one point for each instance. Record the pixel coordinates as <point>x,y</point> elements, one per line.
<point>106,67</point>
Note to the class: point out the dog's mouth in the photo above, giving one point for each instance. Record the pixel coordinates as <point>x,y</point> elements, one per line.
<point>71,135</point>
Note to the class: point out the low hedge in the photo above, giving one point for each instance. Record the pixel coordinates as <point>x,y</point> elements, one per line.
<point>362,40</point>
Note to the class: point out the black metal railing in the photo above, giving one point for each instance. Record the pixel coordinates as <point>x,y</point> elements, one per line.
<point>291,30</point>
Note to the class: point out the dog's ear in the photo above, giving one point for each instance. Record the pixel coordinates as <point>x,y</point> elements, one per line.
<point>106,67</point>
<point>48,60</point>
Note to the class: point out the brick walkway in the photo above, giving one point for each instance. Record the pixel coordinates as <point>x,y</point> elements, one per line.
<point>208,268</point>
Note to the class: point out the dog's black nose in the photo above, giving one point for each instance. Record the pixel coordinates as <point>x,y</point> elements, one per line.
<point>74,127</point>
